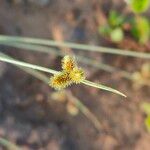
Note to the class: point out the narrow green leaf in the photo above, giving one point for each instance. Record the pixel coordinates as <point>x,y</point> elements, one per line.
<point>32,72</point>
<point>85,60</point>
<point>82,47</point>
<point>84,109</point>
<point>28,65</point>
<point>103,87</point>
<point>40,68</point>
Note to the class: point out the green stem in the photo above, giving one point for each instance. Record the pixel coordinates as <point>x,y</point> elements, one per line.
<point>103,87</point>
<point>40,68</point>
<point>77,102</point>
<point>28,65</point>
<point>83,47</point>
<point>85,60</point>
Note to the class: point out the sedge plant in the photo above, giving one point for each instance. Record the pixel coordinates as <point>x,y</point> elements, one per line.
<point>9,40</point>
<point>56,73</point>
<point>71,98</point>
<point>75,74</point>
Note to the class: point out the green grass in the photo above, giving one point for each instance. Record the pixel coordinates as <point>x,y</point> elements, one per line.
<point>85,60</point>
<point>78,103</point>
<point>51,71</point>
<point>82,47</point>
<point>49,46</point>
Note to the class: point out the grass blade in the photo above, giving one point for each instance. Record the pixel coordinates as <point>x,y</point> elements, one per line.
<point>114,51</point>
<point>44,49</point>
<point>77,102</point>
<point>28,65</point>
<point>85,60</point>
<point>34,73</point>
<point>40,68</point>
<point>84,110</point>
<point>103,87</point>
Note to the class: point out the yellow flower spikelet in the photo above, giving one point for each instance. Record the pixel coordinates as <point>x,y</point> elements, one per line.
<point>68,63</point>
<point>60,80</point>
<point>70,74</point>
<point>77,75</point>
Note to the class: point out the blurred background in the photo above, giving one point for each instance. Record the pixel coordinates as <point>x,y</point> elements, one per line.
<point>33,116</point>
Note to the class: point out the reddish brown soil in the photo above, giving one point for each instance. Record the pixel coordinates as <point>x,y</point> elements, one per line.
<point>32,120</point>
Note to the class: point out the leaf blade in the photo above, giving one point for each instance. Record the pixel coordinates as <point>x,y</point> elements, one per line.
<point>103,87</point>
<point>83,47</point>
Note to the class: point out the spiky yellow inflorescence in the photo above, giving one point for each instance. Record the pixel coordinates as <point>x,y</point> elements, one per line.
<point>60,80</point>
<point>68,63</point>
<point>77,75</point>
<point>70,74</point>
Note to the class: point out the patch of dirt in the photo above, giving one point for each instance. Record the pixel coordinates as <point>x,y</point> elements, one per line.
<point>31,119</point>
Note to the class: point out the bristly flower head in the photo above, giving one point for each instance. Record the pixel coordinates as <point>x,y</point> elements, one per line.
<point>68,63</point>
<point>60,80</point>
<point>70,74</point>
<point>77,75</point>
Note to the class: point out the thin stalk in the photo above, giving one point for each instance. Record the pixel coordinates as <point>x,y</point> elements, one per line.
<point>28,65</point>
<point>84,110</point>
<point>40,68</point>
<point>85,60</point>
<point>83,47</point>
<point>103,87</point>
<point>34,73</point>
<point>77,102</point>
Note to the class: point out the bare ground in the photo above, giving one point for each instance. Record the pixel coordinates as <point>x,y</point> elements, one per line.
<point>32,120</point>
